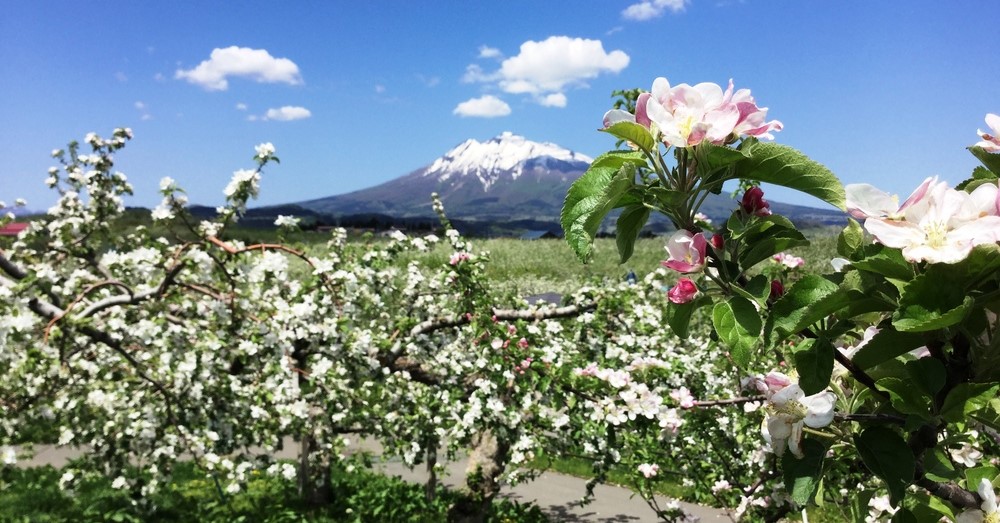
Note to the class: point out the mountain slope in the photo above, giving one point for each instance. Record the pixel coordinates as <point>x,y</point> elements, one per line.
<point>507,177</point>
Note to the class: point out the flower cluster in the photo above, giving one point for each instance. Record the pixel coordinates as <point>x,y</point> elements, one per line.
<point>685,116</point>
<point>789,409</point>
<point>936,224</point>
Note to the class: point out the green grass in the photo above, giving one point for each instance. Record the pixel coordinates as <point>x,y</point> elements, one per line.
<point>33,495</point>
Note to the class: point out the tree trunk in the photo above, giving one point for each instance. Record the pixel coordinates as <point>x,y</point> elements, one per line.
<point>486,463</point>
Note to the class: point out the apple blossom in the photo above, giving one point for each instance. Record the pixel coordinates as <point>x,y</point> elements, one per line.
<point>788,260</point>
<point>789,409</point>
<point>648,470</point>
<point>990,141</point>
<point>686,252</point>
<point>942,227</point>
<point>683,292</point>
<point>866,201</point>
<point>987,511</point>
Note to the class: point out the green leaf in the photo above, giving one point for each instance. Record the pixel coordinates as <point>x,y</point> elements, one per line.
<point>679,315</point>
<point>803,475</point>
<point>768,238</point>
<point>629,225</point>
<point>782,165</point>
<point>933,300</point>
<point>738,324</point>
<point>886,345</point>
<point>927,508</point>
<point>989,160</point>
<point>713,162</point>
<point>980,176</point>
<point>906,398</point>
<point>938,466</point>
<point>885,453</point>
<point>633,132</point>
<point>883,260</point>
<point>974,475</point>
<point>851,239</point>
<point>903,515</point>
<point>813,360</point>
<point>792,309</point>
<point>589,200</point>
<point>928,374</point>
<point>966,398</point>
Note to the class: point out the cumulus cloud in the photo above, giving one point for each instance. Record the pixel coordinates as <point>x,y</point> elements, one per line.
<point>287,113</point>
<point>489,52</point>
<point>487,106</point>
<point>553,100</point>
<point>648,9</point>
<point>546,69</point>
<point>255,64</point>
<point>241,106</point>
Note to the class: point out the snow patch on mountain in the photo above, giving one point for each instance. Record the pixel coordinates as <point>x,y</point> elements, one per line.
<point>507,154</point>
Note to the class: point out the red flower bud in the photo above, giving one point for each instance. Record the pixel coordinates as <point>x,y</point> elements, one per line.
<point>754,203</point>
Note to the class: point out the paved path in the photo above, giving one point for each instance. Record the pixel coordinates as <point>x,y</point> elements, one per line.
<point>557,495</point>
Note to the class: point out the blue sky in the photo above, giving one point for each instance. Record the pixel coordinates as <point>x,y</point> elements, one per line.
<point>353,94</point>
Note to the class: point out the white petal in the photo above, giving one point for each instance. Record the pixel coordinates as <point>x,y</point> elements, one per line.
<point>864,201</point>
<point>820,409</point>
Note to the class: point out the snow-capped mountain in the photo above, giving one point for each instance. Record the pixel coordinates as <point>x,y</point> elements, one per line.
<point>506,155</point>
<point>507,177</point>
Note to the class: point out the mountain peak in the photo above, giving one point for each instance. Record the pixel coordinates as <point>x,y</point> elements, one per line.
<point>504,154</point>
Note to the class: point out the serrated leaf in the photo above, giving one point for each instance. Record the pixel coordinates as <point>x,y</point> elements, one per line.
<point>883,260</point>
<point>629,225</point>
<point>802,475</point>
<point>974,475</point>
<point>886,345</point>
<point>929,375</point>
<point>930,313</point>
<point>989,160</point>
<point>589,200</point>
<point>679,315</point>
<point>966,398</point>
<point>851,239</point>
<point>738,325</point>
<point>782,165</point>
<point>906,398</point>
<point>714,160</point>
<point>813,359</point>
<point>886,454</point>
<point>793,311</point>
<point>633,132</point>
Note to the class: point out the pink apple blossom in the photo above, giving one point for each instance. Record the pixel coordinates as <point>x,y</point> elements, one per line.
<point>943,226</point>
<point>788,260</point>
<point>990,141</point>
<point>683,397</point>
<point>685,115</point>
<point>866,201</point>
<point>684,292</point>
<point>649,470</point>
<point>686,251</point>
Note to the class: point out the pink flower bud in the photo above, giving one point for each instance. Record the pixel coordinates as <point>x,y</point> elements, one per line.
<point>777,289</point>
<point>717,241</point>
<point>754,203</point>
<point>683,292</point>
<point>522,343</point>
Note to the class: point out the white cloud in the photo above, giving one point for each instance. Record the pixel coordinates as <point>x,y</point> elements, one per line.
<point>255,64</point>
<point>489,52</point>
<point>429,81</point>
<point>546,69</point>
<point>287,113</point>
<point>487,106</point>
<point>143,109</point>
<point>159,77</point>
<point>648,9</point>
<point>553,100</point>
<point>241,106</point>
<point>121,77</point>
<point>558,61</point>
